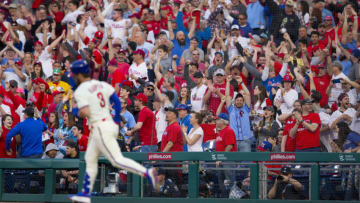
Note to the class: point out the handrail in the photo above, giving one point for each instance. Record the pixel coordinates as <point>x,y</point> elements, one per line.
<point>249,158</point>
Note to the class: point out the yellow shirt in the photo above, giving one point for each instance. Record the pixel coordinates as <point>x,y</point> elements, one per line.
<point>60,86</point>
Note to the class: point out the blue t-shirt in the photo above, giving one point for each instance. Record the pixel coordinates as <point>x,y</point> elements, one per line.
<point>272,82</point>
<point>240,121</point>
<point>352,141</point>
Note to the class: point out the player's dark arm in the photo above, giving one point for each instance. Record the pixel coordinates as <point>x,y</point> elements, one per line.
<point>117,106</point>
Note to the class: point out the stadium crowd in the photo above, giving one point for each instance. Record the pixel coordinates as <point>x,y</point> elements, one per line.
<point>258,75</point>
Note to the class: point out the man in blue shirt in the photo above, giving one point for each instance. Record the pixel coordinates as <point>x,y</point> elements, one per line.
<point>243,25</point>
<point>239,114</point>
<point>30,131</point>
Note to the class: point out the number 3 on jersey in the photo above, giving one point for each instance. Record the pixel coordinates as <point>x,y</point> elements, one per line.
<point>102,101</point>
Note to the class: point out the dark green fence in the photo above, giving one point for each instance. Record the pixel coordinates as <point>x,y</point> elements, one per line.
<point>134,194</point>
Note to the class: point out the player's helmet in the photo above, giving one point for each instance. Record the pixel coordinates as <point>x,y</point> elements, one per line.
<point>80,66</point>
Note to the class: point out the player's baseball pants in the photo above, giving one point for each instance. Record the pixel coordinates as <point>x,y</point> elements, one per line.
<point>102,140</point>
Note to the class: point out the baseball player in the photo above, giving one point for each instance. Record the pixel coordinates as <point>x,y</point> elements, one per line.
<point>93,100</point>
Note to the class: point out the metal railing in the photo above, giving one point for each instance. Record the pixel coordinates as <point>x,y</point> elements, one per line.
<point>253,160</point>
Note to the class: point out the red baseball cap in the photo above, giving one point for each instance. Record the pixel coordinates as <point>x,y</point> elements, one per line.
<point>315,69</point>
<point>139,51</point>
<point>38,43</point>
<point>56,93</point>
<point>38,63</point>
<point>19,63</point>
<point>135,15</point>
<point>97,56</point>
<point>287,78</point>
<point>99,34</point>
<point>142,97</point>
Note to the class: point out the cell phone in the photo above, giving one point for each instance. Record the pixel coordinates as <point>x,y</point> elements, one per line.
<point>336,81</point>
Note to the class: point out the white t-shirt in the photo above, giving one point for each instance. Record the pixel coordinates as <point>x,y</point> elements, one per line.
<point>287,101</point>
<point>139,71</point>
<point>118,28</point>
<point>350,112</point>
<point>46,61</point>
<point>336,90</point>
<point>96,95</point>
<point>232,51</point>
<point>197,146</point>
<point>352,96</point>
<point>160,123</point>
<point>355,124</point>
<point>71,16</point>
<point>196,98</point>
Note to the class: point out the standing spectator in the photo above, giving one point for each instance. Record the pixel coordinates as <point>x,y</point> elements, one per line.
<point>172,139</point>
<point>306,130</point>
<point>245,27</point>
<point>145,125</point>
<point>7,124</point>
<point>256,18</point>
<point>239,114</point>
<point>345,113</point>
<point>198,92</point>
<point>138,70</point>
<point>215,92</point>
<point>184,117</point>
<point>286,95</point>
<point>268,127</point>
<point>57,84</point>
<point>194,138</point>
<point>225,142</point>
<point>30,131</point>
<point>283,21</point>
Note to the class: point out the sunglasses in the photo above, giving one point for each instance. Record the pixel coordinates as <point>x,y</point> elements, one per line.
<point>150,89</point>
<point>219,75</point>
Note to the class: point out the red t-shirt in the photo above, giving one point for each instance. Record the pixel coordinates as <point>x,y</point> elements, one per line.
<point>173,133</point>
<point>304,138</point>
<point>225,137</point>
<point>117,77</point>
<point>83,142</point>
<point>321,84</point>
<point>214,100</point>
<point>290,142</point>
<point>3,147</point>
<point>146,116</point>
<point>312,49</point>
<point>209,131</point>
<point>124,68</point>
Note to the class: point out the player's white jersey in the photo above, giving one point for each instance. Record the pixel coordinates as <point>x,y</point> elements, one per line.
<point>96,95</point>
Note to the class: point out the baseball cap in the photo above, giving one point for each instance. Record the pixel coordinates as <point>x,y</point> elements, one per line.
<point>218,52</point>
<point>306,101</point>
<point>135,15</point>
<point>171,109</point>
<point>55,93</point>
<point>287,78</point>
<point>270,108</point>
<point>220,71</point>
<point>223,116</point>
<point>38,43</point>
<point>51,146</point>
<point>289,3</point>
<point>12,5</point>
<point>19,63</point>
<point>57,71</point>
<point>141,97</point>
<point>99,34</point>
<point>181,107</point>
<point>285,170</point>
<point>198,75</point>
<point>263,35</point>
<point>265,146</point>
<point>315,69</point>
<point>140,52</point>
<point>148,84</point>
<point>235,27</point>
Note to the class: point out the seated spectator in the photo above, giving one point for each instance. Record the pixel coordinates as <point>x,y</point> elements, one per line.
<point>285,187</point>
<point>70,177</point>
<point>82,139</point>
<point>52,152</point>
